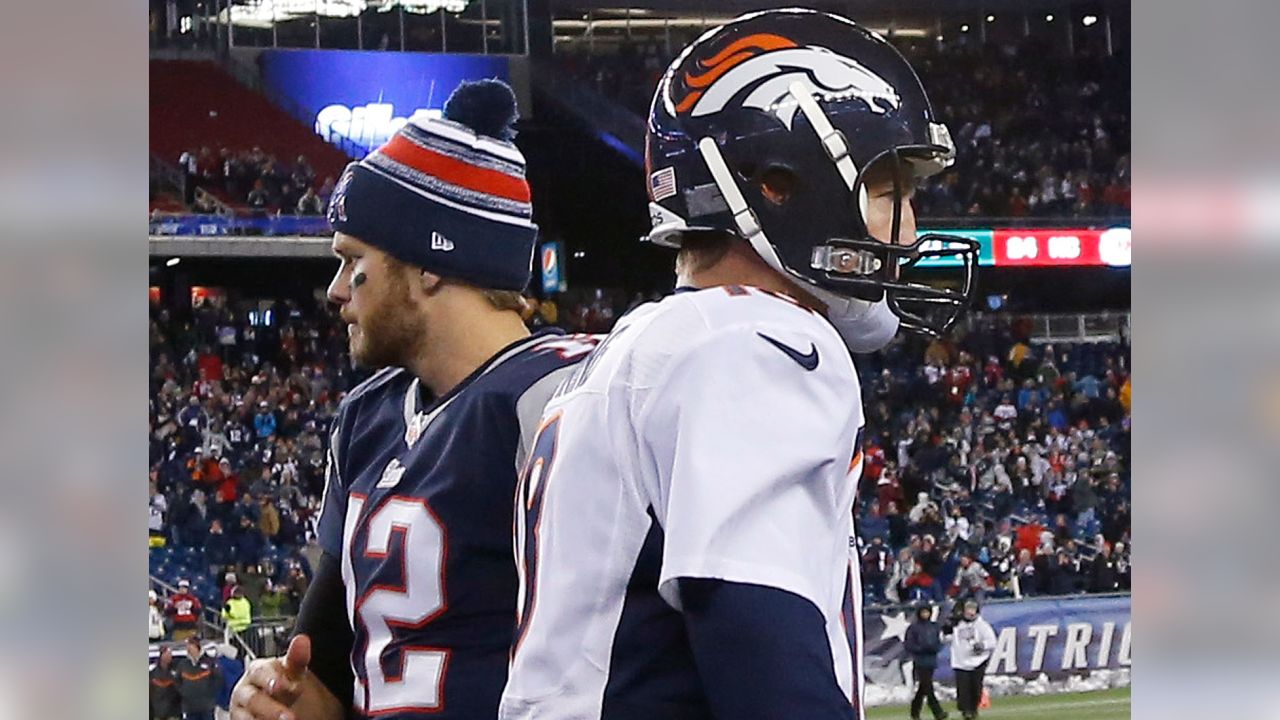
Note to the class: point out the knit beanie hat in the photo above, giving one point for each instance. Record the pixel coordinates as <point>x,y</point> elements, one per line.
<point>447,195</point>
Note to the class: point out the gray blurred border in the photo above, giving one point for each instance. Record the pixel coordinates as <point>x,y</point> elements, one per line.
<point>1207,326</point>
<point>73,342</point>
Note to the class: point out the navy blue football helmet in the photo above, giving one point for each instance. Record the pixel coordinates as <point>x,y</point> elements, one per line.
<point>814,99</point>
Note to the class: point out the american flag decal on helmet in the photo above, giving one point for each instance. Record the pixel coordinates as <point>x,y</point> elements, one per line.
<point>662,184</point>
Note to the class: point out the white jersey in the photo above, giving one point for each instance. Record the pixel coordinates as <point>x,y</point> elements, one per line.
<point>711,435</point>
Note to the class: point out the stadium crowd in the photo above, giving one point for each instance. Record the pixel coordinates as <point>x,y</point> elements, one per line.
<point>1037,135</point>
<point>992,467</point>
<point>240,417</point>
<point>254,180</point>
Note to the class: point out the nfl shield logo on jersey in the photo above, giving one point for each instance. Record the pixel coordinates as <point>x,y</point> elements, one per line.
<point>391,474</point>
<point>417,424</point>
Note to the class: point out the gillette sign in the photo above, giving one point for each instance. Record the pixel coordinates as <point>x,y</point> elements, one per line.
<point>368,126</point>
<point>363,97</point>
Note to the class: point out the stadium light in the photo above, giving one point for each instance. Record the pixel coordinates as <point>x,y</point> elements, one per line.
<point>172,262</point>
<point>265,13</point>
<point>1090,19</point>
<point>426,7</point>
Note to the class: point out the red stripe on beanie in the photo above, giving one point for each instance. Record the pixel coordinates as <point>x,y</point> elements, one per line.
<point>456,172</point>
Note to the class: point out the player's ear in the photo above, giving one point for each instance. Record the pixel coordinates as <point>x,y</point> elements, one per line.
<point>429,282</point>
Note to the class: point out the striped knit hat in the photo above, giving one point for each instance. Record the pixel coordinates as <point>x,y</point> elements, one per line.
<point>448,195</point>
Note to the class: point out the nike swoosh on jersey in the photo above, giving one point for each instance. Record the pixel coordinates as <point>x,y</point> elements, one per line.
<point>808,361</point>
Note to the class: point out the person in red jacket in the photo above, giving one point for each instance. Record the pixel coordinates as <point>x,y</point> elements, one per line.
<point>1029,537</point>
<point>185,610</point>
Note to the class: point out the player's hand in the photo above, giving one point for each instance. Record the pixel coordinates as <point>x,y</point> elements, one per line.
<point>282,688</point>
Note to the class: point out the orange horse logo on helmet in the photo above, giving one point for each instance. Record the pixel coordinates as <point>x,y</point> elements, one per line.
<point>765,66</point>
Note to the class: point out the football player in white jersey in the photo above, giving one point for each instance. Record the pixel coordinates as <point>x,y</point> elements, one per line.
<point>683,521</point>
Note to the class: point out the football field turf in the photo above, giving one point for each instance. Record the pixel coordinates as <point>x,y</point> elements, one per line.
<point>1101,705</point>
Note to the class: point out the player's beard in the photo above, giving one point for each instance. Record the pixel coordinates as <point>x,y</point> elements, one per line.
<point>388,333</point>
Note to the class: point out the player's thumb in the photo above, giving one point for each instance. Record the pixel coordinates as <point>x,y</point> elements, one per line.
<point>298,657</point>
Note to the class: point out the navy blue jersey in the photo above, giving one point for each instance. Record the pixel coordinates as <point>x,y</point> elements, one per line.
<point>418,508</point>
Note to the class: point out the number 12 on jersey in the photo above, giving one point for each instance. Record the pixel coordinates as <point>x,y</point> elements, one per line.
<point>417,684</point>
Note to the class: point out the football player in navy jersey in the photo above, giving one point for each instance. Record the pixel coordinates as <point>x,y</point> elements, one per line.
<point>411,611</point>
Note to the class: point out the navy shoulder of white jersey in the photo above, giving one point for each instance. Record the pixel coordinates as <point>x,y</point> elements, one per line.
<point>533,376</point>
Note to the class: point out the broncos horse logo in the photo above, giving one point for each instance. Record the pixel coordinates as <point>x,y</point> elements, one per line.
<point>764,66</point>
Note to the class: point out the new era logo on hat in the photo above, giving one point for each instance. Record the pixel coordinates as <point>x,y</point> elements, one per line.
<point>440,242</point>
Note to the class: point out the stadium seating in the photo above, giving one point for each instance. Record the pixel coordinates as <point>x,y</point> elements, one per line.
<point>196,104</point>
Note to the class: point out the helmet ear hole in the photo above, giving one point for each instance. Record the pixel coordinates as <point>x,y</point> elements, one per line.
<point>777,183</point>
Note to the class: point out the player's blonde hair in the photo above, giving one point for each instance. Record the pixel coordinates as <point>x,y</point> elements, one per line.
<point>504,299</point>
<point>499,299</point>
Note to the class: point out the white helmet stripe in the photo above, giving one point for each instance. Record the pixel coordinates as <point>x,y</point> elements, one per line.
<point>832,140</point>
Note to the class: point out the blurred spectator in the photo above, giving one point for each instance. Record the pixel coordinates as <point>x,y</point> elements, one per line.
<point>199,682</point>
<point>919,586</point>
<point>275,601</point>
<point>1064,578</point>
<point>257,197</point>
<point>872,524</point>
<point>1001,564</point>
<point>159,506</point>
<point>1103,576</point>
<point>928,557</point>
<point>1026,580</point>
<point>924,641</point>
<point>1122,567</point>
<point>229,583</point>
<point>184,608</point>
<point>296,584</point>
<point>164,701</point>
<point>253,583</point>
<point>268,518</point>
<point>309,203</point>
<point>237,612</point>
<point>897,525</point>
<point>971,580</point>
<point>877,562</point>
<point>264,423</point>
<point>231,669</point>
<point>973,641</point>
<point>156,630</point>
<point>218,550</point>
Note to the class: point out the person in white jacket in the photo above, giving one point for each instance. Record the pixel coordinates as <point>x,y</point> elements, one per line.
<point>155,617</point>
<point>972,642</point>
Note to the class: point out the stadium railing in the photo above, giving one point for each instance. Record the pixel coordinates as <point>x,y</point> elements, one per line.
<point>1064,327</point>
<point>267,636</point>
<point>268,223</point>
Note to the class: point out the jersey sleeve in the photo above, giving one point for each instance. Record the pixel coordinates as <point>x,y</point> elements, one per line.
<point>529,410</point>
<point>333,504</point>
<point>748,441</point>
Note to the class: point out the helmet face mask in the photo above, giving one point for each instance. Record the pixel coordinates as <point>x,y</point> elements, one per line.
<point>767,127</point>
